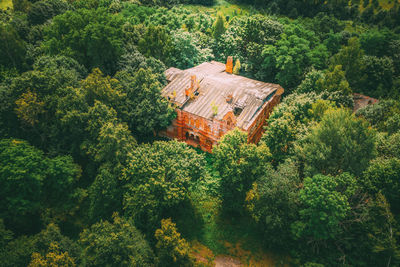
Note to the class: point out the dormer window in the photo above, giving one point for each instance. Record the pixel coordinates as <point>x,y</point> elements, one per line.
<point>229,122</point>
<point>237,111</point>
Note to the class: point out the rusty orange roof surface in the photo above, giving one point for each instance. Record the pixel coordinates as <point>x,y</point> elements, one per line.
<point>361,101</point>
<point>229,92</point>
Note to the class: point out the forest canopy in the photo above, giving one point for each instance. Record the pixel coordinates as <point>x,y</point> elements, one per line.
<point>86,180</point>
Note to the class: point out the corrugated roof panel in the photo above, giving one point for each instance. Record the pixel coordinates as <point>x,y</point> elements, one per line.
<point>215,87</point>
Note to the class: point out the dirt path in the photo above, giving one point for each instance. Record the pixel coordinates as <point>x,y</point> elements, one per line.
<point>226,261</point>
<point>237,257</point>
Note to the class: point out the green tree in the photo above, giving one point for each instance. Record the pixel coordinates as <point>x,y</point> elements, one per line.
<point>28,108</point>
<point>12,47</point>
<point>31,101</point>
<point>5,235</point>
<point>350,57</point>
<point>59,63</point>
<point>30,182</point>
<point>239,164</point>
<point>288,59</point>
<point>219,27</point>
<point>158,178</point>
<point>105,193</point>
<point>380,113</point>
<point>41,11</point>
<point>59,184</point>
<point>95,118</point>
<point>375,42</point>
<point>18,252</point>
<point>389,145</point>
<point>21,5</point>
<point>51,236</point>
<point>392,125</point>
<point>383,232</point>
<point>92,37</point>
<point>272,202</point>
<point>382,176</point>
<point>335,80</point>
<point>21,177</point>
<point>133,61</point>
<point>157,43</point>
<point>109,145</point>
<point>145,110</point>
<point>172,249</point>
<point>325,205</point>
<point>339,143</point>
<point>379,76</point>
<point>108,140</point>
<point>115,244</point>
<point>187,50</point>
<point>236,69</point>
<point>311,82</point>
<point>244,38</point>
<point>287,124</point>
<point>55,257</point>
<point>102,88</point>
<point>319,108</point>
<point>114,144</point>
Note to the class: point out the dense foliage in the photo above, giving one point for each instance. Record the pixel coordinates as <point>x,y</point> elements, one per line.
<point>86,181</point>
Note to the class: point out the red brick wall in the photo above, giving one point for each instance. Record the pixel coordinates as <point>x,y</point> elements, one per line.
<point>257,128</point>
<point>204,133</point>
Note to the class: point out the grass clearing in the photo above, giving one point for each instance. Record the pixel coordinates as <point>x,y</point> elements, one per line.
<point>223,7</point>
<point>4,4</point>
<point>387,4</point>
<point>384,4</point>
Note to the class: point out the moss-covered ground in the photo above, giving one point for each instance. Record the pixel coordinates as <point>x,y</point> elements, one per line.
<point>4,4</point>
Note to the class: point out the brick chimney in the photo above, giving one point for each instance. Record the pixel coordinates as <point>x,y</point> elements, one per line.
<point>229,65</point>
<point>193,83</point>
<point>193,86</point>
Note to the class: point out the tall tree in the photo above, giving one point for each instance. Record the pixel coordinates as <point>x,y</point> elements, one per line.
<point>145,110</point>
<point>219,27</point>
<point>29,182</point>
<point>187,50</point>
<point>92,37</point>
<point>54,257</point>
<point>41,11</point>
<point>339,143</point>
<point>156,42</point>
<point>172,249</point>
<point>158,178</point>
<point>335,80</point>
<point>239,165</point>
<point>383,232</point>
<point>115,244</point>
<point>273,203</point>
<point>288,123</point>
<point>12,47</point>
<point>382,176</point>
<point>331,210</point>
<point>326,205</point>
<point>350,57</point>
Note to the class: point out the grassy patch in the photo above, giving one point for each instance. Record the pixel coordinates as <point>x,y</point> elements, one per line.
<point>387,4</point>
<point>384,4</point>
<point>4,4</point>
<point>223,7</point>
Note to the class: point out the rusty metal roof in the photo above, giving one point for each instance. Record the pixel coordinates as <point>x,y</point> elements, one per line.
<point>224,90</point>
<point>361,101</point>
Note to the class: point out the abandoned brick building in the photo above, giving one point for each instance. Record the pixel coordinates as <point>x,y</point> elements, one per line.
<point>210,101</point>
